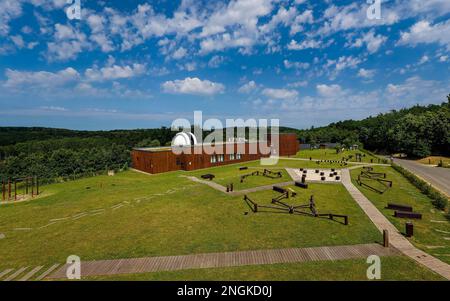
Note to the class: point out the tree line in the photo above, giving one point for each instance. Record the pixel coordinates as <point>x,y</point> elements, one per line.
<point>419,131</point>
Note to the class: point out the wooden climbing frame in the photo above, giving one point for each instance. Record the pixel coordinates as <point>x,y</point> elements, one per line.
<point>11,192</point>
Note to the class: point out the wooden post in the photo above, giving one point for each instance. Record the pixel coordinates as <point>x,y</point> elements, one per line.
<point>37,186</point>
<point>3,190</point>
<point>32,187</point>
<point>9,189</point>
<point>385,238</point>
<point>26,186</point>
<point>15,190</point>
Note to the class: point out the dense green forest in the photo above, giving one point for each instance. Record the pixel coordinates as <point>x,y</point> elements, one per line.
<point>67,154</point>
<point>418,131</point>
<point>64,154</point>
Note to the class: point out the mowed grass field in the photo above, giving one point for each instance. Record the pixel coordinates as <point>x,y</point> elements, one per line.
<point>432,232</point>
<point>136,215</point>
<point>330,154</point>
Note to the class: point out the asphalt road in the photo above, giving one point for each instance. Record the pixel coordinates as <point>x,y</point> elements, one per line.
<point>436,176</point>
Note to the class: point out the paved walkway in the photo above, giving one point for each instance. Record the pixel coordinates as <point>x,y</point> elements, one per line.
<point>438,177</point>
<point>27,273</point>
<point>225,259</point>
<point>395,237</point>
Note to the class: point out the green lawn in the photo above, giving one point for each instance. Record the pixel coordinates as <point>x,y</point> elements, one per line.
<point>392,268</point>
<point>432,233</point>
<point>135,215</point>
<point>330,154</point>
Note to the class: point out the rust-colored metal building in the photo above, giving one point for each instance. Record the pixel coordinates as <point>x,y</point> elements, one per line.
<point>164,159</point>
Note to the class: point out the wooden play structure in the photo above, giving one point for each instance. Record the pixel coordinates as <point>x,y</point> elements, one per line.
<point>279,204</point>
<point>368,175</point>
<point>19,188</point>
<point>266,173</point>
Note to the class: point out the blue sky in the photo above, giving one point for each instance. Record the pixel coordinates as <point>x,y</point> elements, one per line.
<point>141,64</point>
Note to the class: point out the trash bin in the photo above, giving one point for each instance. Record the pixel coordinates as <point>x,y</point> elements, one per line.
<point>409,229</point>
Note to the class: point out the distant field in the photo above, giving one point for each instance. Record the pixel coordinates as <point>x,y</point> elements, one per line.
<point>432,233</point>
<point>434,160</point>
<point>330,154</point>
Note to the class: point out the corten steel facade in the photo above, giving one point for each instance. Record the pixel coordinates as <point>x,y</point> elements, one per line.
<point>158,160</point>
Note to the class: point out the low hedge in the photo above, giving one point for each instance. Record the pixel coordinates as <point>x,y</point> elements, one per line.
<point>438,199</point>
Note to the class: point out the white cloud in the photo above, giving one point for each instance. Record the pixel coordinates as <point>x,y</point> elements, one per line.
<point>280,93</point>
<point>366,73</point>
<point>298,84</point>
<point>67,44</point>
<point>40,79</point>
<point>423,32</point>
<point>416,90</point>
<point>194,86</point>
<point>9,10</point>
<point>443,58</point>
<point>305,44</point>
<point>179,53</point>
<point>216,61</point>
<point>329,90</point>
<point>248,87</point>
<point>423,59</point>
<point>297,65</point>
<point>114,72</point>
<point>372,41</point>
<point>342,63</point>
<point>18,41</point>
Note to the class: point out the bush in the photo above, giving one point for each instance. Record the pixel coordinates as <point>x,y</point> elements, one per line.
<point>438,200</point>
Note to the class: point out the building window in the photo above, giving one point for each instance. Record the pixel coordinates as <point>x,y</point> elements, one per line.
<point>213,159</point>
<point>220,158</point>
<point>232,156</point>
<point>238,156</point>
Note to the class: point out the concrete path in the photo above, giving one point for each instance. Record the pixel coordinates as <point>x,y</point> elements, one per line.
<point>438,177</point>
<point>395,237</point>
<point>224,259</point>
<point>209,183</point>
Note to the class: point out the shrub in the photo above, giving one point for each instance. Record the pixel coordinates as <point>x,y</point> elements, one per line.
<point>438,200</point>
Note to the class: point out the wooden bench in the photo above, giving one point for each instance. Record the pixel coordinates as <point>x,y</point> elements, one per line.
<point>301,185</point>
<point>400,207</point>
<point>405,214</point>
<point>208,177</point>
<point>279,189</point>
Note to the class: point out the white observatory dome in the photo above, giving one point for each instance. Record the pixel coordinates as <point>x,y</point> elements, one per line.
<point>184,139</point>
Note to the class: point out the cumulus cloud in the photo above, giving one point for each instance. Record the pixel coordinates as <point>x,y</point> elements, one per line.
<point>372,41</point>
<point>68,43</point>
<point>40,79</point>
<point>280,93</point>
<point>114,72</point>
<point>423,32</point>
<point>366,73</point>
<point>328,90</point>
<point>248,87</point>
<point>305,44</point>
<point>194,86</point>
<point>296,65</point>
